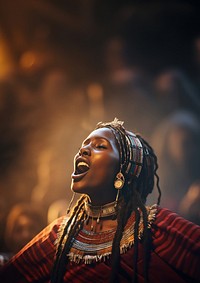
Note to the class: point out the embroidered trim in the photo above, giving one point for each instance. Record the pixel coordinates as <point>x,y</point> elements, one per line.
<point>91,247</point>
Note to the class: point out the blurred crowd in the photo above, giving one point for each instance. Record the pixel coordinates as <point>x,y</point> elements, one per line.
<point>46,112</point>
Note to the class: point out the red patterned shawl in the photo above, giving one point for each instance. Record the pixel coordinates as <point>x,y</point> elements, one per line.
<point>175,257</point>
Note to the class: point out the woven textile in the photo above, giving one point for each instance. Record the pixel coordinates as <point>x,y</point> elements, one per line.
<point>175,257</point>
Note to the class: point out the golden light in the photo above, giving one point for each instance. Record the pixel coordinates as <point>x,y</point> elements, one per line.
<point>28,59</point>
<point>95,95</point>
<point>6,65</point>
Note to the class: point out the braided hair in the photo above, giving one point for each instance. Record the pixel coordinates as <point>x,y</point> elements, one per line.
<point>138,164</point>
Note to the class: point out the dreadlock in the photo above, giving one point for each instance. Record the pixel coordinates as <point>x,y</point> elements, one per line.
<point>132,199</point>
<point>74,224</point>
<point>151,161</point>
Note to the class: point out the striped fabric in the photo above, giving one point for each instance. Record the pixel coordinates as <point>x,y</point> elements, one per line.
<point>175,257</point>
<point>34,262</point>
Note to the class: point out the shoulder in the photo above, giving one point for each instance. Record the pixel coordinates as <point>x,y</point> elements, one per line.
<point>173,224</point>
<point>36,259</point>
<point>46,237</point>
<point>177,241</point>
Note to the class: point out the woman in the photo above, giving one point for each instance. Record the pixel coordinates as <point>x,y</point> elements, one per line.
<point>111,236</point>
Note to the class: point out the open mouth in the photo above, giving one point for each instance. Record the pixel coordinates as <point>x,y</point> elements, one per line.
<point>81,167</point>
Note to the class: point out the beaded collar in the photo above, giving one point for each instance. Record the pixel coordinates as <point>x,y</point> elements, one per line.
<point>89,246</point>
<point>100,211</point>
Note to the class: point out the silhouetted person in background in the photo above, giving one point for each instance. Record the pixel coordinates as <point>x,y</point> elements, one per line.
<point>176,142</point>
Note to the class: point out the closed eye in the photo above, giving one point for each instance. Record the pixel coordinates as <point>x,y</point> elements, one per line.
<point>101,146</point>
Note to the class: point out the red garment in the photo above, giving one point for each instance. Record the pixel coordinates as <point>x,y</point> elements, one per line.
<point>175,257</point>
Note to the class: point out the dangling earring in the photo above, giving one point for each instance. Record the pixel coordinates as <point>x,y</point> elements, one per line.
<point>119,181</point>
<point>118,184</point>
<point>71,201</point>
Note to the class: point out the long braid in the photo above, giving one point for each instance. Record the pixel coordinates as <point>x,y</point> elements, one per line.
<point>121,221</point>
<point>73,217</point>
<point>116,251</point>
<point>147,185</point>
<point>128,204</point>
<point>63,259</point>
<point>135,255</point>
<point>69,222</point>
<point>143,209</point>
<point>155,163</point>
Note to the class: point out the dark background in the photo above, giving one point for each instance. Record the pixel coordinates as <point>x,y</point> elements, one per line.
<point>59,63</point>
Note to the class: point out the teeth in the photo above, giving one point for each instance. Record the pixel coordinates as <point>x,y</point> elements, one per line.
<point>82,167</point>
<point>82,164</point>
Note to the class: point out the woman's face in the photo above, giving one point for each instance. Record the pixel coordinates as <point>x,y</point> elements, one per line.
<point>96,166</point>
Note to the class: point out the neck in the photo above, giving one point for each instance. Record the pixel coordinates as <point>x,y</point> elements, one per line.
<point>100,218</point>
<point>100,211</point>
<point>99,199</point>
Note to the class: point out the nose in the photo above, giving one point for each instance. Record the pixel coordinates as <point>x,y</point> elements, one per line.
<point>84,150</point>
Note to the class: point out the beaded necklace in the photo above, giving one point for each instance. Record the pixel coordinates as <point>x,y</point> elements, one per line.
<point>89,246</point>
<point>98,212</point>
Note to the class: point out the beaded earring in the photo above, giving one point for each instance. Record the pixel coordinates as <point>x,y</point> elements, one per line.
<point>118,184</point>
<point>119,181</point>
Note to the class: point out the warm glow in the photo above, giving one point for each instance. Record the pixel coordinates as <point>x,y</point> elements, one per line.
<point>95,92</point>
<point>5,59</point>
<point>96,106</point>
<point>27,60</point>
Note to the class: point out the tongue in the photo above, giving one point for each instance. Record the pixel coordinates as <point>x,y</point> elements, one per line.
<point>82,168</point>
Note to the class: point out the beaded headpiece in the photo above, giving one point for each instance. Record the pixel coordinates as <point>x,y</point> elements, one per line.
<point>130,148</point>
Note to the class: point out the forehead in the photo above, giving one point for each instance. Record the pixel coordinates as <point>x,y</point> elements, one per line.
<point>102,133</point>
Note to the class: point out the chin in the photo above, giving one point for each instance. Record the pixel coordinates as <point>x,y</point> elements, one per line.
<point>77,188</point>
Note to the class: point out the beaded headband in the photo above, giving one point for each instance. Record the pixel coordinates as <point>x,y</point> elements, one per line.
<point>130,148</point>
<point>136,156</point>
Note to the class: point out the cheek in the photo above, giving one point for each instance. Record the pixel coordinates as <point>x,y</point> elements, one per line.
<point>109,167</point>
